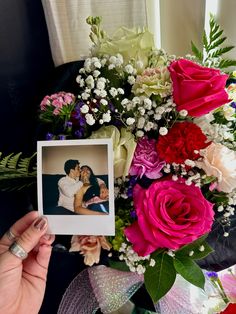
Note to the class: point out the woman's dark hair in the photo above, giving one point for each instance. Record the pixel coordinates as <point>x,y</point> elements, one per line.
<point>92,179</point>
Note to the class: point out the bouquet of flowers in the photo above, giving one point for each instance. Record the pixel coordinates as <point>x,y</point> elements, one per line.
<point>172,121</point>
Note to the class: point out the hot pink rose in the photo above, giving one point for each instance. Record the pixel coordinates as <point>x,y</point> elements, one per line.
<point>169,215</point>
<point>197,89</point>
<point>146,160</point>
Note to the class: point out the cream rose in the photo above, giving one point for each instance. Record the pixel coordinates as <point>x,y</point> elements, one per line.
<point>220,162</point>
<point>123,146</point>
<point>90,247</point>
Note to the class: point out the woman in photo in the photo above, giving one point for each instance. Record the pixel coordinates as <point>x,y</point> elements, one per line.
<point>92,198</point>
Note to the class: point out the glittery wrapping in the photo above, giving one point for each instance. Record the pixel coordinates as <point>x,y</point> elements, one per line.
<point>186,298</point>
<point>113,288</point>
<point>99,287</point>
<point>79,297</point>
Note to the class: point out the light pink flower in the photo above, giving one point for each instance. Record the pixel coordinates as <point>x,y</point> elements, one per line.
<point>228,281</point>
<point>170,214</point>
<point>219,161</point>
<point>146,160</point>
<point>89,247</point>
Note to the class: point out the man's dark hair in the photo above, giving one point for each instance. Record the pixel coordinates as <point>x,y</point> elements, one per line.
<point>70,164</point>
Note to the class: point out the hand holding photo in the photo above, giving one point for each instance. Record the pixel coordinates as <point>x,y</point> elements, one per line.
<point>75,186</point>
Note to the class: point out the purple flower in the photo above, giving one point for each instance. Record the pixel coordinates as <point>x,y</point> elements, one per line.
<point>49,136</point>
<point>212,274</point>
<point>146,160</point>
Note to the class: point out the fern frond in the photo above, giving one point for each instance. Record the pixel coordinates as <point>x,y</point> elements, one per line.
<point>13,160</point>
<point>4,161</point>
<point>227,63</point>
<point>197,53</point>
<point>17,173</point>
<point>220,52</point>
<point>216,44</point>
<point>212,52</point>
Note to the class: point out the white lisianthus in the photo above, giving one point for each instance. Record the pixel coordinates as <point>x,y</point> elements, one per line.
<point>220,162</point>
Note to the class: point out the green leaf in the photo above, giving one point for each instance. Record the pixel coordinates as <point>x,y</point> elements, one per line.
<point>190,271</point>
<point>118,265</point>
<point>194,246</point>
<point>160,278</point>
<point>197,254</point>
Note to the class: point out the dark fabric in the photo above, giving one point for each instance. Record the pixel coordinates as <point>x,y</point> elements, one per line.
<point>26,65</point>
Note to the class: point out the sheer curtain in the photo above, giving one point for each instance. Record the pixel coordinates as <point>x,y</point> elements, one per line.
<point>68,31</point>
<point>174,23</point>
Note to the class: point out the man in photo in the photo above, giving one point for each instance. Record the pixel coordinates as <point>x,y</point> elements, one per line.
<point>70,184</point>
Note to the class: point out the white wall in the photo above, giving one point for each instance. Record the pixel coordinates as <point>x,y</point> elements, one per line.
<point>54,157</point>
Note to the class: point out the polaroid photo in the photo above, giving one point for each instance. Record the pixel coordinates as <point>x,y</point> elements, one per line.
<point>76,186</point>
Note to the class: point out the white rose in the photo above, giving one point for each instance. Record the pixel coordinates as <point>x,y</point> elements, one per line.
<point>220,162</point>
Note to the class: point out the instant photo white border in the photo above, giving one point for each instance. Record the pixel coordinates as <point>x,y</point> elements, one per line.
<point>79,224</point>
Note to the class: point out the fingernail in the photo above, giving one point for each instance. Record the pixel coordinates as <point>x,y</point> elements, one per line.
<point>47,236</point>
<point>41,223</point>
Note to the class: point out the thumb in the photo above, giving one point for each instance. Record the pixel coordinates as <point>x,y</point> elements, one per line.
<point>31,236</point>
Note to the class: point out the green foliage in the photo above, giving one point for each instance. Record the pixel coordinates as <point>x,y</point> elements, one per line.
<point>118,265</point>
<point>212,54</point>
<point>190,271</point>
<point>160,278</point>
<point>17,173</point>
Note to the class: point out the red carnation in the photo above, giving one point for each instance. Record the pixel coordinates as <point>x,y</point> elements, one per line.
<point>231,309</point>
<point>181,143</point>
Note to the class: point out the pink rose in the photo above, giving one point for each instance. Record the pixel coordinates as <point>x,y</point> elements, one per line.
<point>146,160</point>
<point>90,247</point>
<point>197,89</point>
<point>169,215</point>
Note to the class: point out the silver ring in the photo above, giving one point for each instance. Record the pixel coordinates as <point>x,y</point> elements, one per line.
<point>17,250</point>
<point>10,235</point>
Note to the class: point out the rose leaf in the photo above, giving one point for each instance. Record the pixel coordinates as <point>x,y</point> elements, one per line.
<point>160,278</point>
<point>190,271</point>
<point>194,251</point>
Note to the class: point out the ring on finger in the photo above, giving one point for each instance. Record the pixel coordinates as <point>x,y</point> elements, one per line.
<point>17,250</point>
<point>10,235</point>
